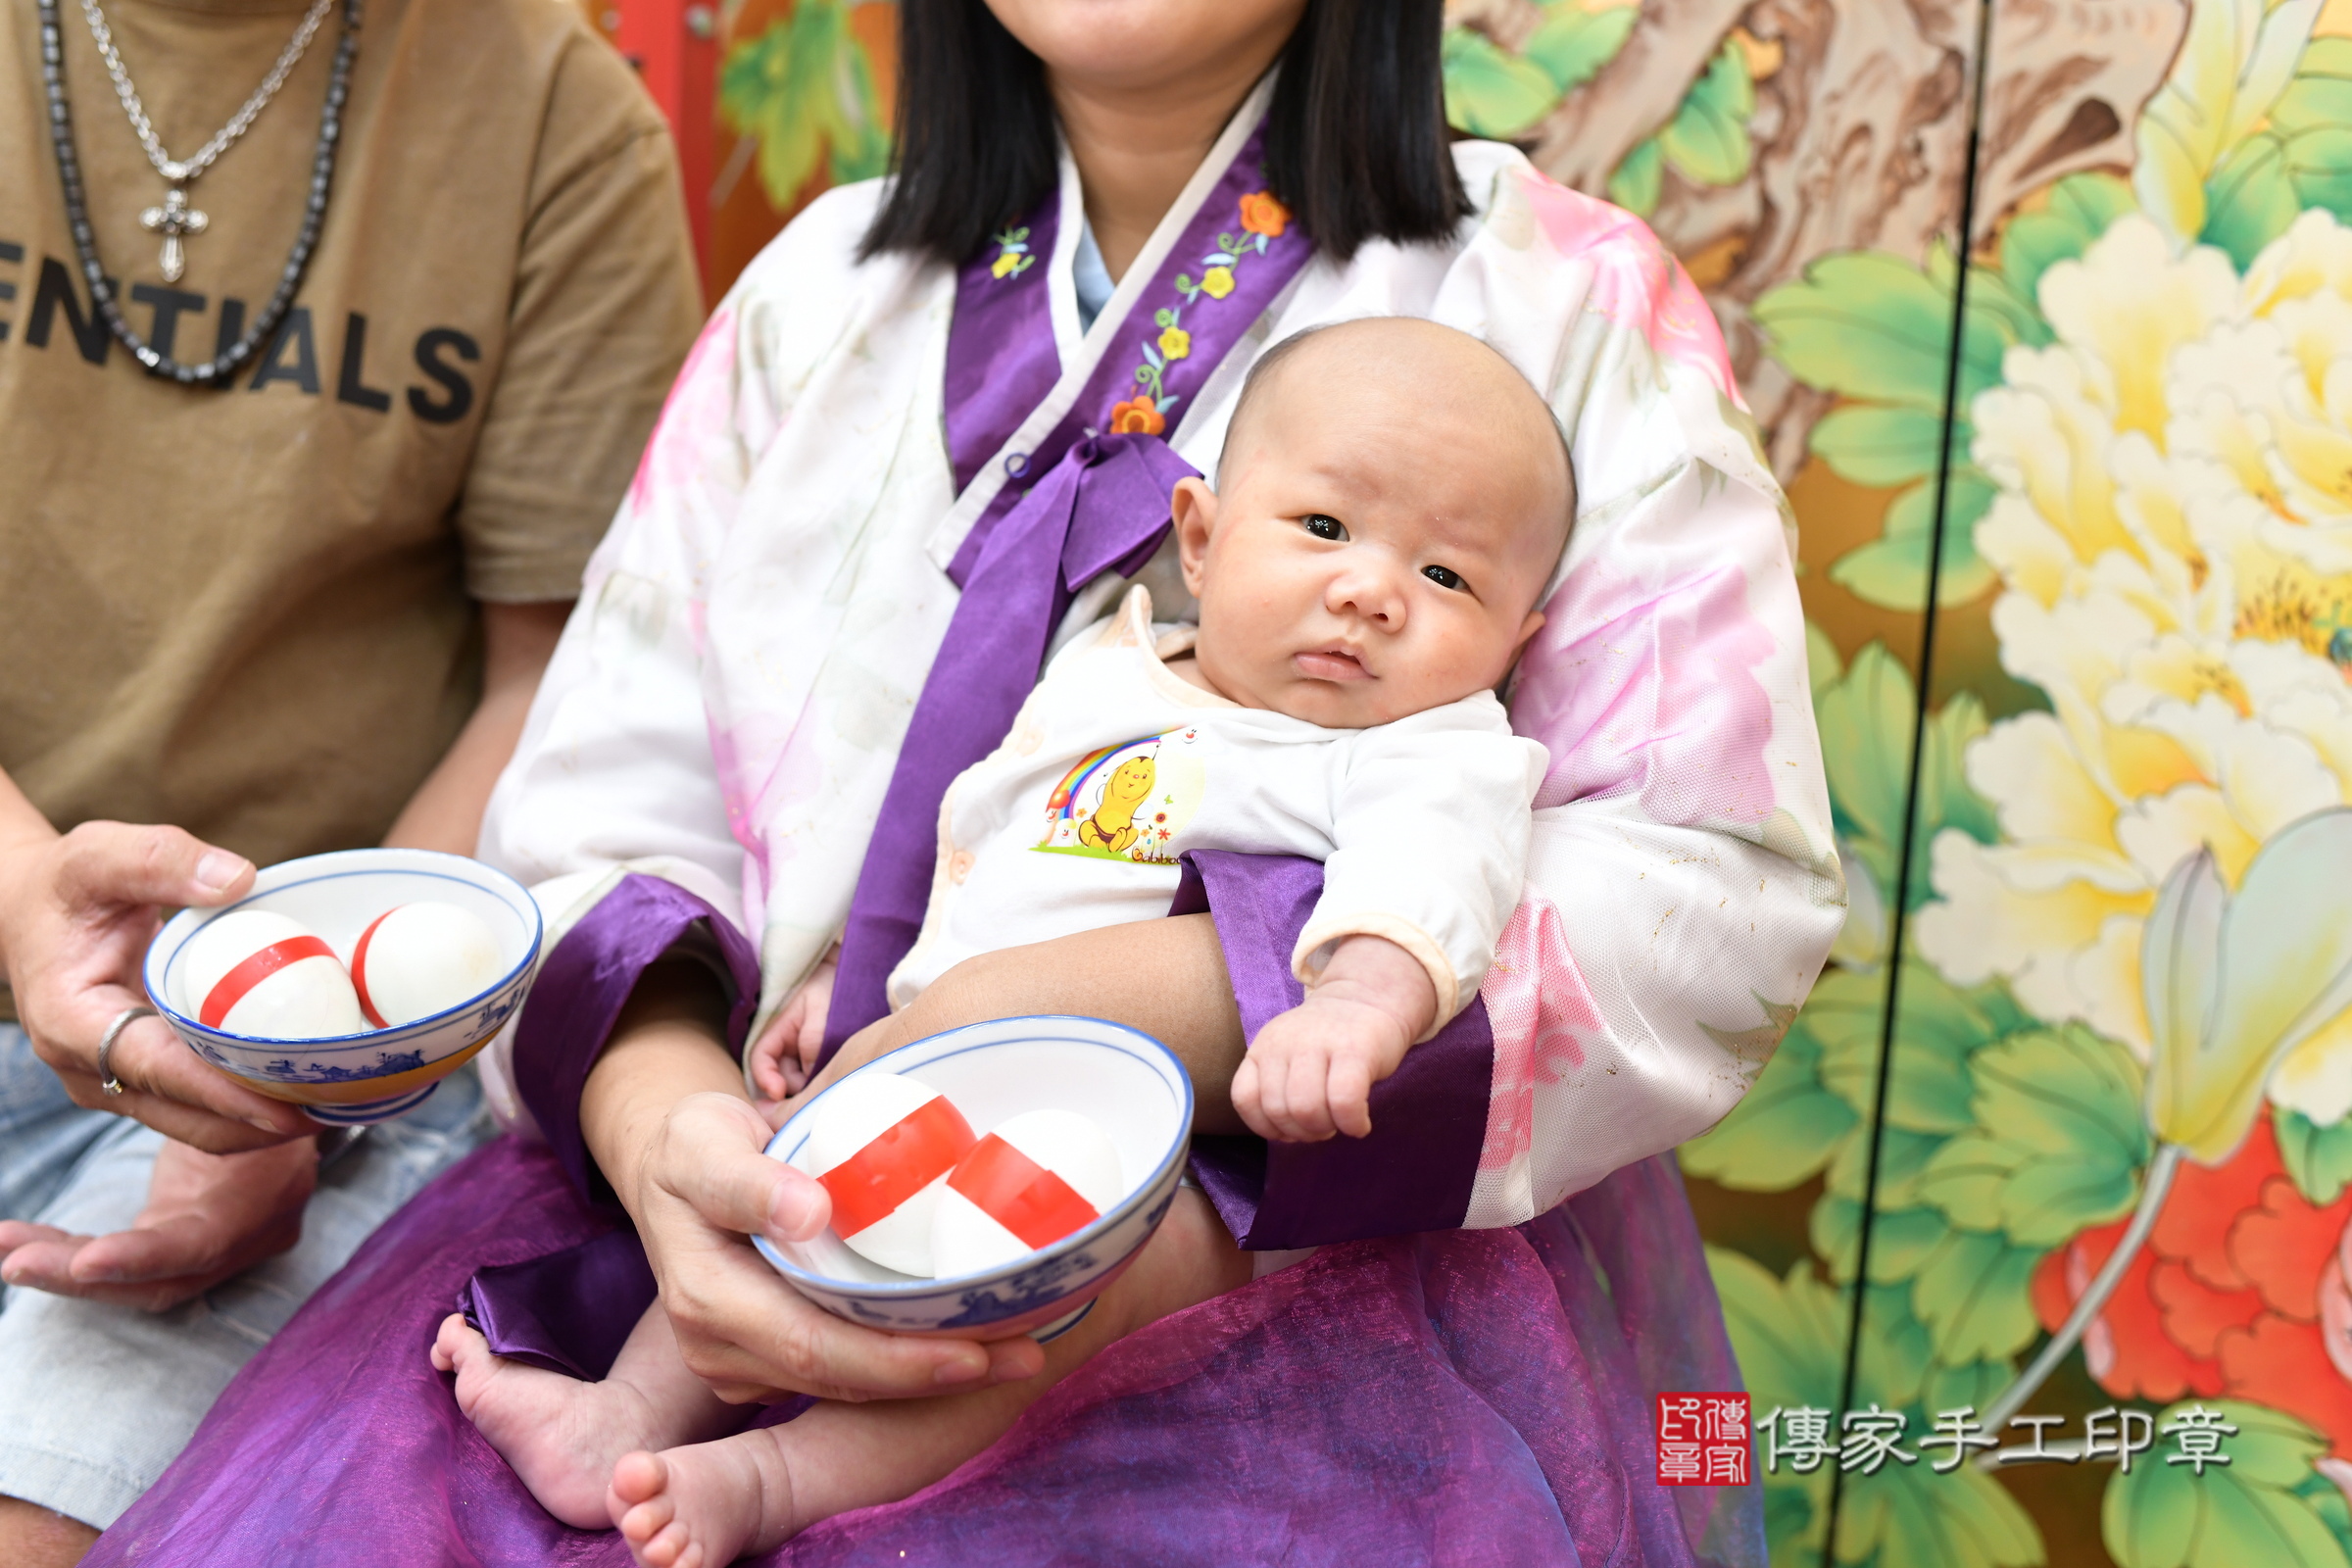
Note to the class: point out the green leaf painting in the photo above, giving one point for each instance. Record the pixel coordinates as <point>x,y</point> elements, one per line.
<point>2318,1160</point>
<point>2249,200</point>
<point>1877,330</point>
<point>1865,721</point>
<point>1640,178</point>
<point>2076,211</point>
<point>804,90</point>
<point>1790,1335</point>
<point>2252,1511</point>
<point>1783,1132</point>
<point>1865,716</point>
<point>1909,1515</point>
<point>1707,140</point>
<point>1495,91</point>
<point>1892,571</point>
<point>1866,325</point>
<point>1572,44</point>
<point>1878,445</point>
<point>2056,1140</point>
<point>1490,91</point>
<point>1971,1293</point>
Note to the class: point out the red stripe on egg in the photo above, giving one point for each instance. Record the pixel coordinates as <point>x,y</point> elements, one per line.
<point>903,1159</point>
<point>359,968</point>
<point>1020,1195</point>
<point>253,971</point>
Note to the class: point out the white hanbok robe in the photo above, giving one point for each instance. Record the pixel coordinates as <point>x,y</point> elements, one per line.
<point>728,702</point>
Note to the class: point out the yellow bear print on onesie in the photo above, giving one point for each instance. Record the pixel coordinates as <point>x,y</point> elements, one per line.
<point>1112,826</point>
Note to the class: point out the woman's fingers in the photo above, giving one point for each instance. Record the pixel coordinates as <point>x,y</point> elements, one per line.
<point>710,1157</point>
<point>741,1328</point>
<point>749,1334</point>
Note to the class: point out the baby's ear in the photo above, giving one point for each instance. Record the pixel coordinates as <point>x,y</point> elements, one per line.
<point>1194,507</point>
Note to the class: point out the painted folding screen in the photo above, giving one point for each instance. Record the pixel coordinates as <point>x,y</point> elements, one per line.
<point>2046,317</point>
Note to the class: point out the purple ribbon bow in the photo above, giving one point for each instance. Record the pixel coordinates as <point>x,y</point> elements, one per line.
<point>1103,507</point>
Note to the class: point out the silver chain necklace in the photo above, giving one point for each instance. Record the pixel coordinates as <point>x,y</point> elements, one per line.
<point>174,219</point>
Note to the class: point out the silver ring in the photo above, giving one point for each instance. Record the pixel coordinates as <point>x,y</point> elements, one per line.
<point>107,1080</point>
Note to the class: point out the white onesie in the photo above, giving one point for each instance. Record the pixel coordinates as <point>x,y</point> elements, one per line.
<point>1116,765</point>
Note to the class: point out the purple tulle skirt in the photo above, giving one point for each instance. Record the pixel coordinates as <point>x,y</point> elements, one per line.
<point>1456,1397</point>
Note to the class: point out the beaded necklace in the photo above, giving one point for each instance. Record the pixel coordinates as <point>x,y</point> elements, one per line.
<point>228,360</point>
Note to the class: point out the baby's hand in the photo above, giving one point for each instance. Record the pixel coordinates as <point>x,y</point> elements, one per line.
<point>1311,1070</point>
<point>786,1052</point>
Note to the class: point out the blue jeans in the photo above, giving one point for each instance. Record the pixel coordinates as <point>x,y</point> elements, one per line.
<point>95,1400</point>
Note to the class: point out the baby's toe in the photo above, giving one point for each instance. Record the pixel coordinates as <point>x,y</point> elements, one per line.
<point>640,1474</point>
<point>455,1342</point>
<point>646,1521</point>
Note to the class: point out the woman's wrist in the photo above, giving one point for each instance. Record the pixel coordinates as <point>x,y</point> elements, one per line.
<point>667,1042</point>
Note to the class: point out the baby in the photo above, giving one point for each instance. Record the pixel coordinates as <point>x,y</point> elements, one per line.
<point>1392,501</point>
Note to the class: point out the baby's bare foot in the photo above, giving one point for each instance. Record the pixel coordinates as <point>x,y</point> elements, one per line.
<point>704,1505</point>
<point>560,1435</point>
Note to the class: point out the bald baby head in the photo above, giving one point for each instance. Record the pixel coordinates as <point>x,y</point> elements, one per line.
<point>1414,359</point>
<point>1392,500</point>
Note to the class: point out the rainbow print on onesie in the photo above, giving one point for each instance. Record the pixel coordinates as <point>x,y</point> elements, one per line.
<point>1128,802</point>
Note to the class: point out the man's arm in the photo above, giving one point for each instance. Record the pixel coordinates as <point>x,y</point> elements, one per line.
<point>209,1216</point>
<point>445,811</point>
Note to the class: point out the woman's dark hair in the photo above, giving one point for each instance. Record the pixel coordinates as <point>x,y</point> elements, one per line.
<point>1357,144</point>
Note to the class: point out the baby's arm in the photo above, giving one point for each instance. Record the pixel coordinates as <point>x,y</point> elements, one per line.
<point>1430,823</point>
<point>1311,1071</point>
<point>785,1053</point>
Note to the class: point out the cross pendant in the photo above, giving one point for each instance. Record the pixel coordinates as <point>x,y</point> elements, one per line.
<point>173,220</point>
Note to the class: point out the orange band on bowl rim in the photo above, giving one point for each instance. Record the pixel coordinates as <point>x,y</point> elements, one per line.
<point>1019,1193</point>
<point>253,971</point>
<point>359,967</point>
<point>903,1159</point>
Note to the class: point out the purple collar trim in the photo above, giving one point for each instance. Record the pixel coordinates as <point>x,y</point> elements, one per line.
<point>1232,260</point>
<point>1003,358</point>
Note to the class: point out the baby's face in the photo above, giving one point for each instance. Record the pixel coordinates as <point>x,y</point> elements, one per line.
<point>1380,542</point>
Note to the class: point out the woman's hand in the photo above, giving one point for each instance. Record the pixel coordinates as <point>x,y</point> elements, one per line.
<point>668,1119</point>
<point>703,1188</point>
<point>76,912</point>
<point>208,1217</point>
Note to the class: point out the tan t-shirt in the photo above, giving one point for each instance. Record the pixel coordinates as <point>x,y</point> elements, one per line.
<point>249,612</point>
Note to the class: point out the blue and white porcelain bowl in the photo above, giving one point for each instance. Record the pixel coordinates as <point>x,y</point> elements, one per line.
<point>377,1074</point>
<point>1131,1087</point>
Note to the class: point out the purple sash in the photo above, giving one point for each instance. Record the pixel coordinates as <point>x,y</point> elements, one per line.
<point>1104,507</point>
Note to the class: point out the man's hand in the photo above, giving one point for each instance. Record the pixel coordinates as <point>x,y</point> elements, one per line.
<point>1311,1070</point>
<point>208,1217</point>
<point>77,913</point>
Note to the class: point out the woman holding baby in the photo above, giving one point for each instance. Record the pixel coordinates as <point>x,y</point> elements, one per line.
<point>945,427</point>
